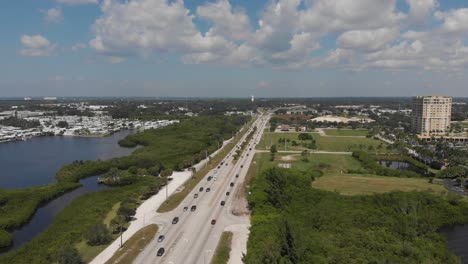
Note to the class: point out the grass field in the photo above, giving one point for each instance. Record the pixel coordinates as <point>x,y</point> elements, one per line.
<point>368,184</point>
<point>331,164</point>
<point>221,255</point>
<point>134,245</point>
<point>337,144</point>
<point>345,132</point>
<point>335,177</point>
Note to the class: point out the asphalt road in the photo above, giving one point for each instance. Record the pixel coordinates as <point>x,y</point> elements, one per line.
<point>194,238</point>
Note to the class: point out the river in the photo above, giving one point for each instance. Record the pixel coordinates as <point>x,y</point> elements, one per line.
<point>35,161</point>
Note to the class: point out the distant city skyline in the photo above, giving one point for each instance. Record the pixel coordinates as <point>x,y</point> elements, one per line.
<point>236,48</point>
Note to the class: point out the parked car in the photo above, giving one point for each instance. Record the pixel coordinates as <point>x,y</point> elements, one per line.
<point>185,208</point>
<point>208,189</point>
<point>161,238</point>
<point>193,208</point>
<point>232,184</point>
<point>237,175</point>
<point>209,178</point>
<point>213,221</point>
<point>242,166</point>
<point>227,193</point>
<point>223,203</point>
<point>201,189</point>
<point>160,252</point>
<point>175,220</point>
<point>195,195</point>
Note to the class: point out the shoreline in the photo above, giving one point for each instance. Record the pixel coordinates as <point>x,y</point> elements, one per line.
<point>147,210</point>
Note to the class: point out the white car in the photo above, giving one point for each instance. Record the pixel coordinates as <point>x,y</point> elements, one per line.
<point>215,178</point>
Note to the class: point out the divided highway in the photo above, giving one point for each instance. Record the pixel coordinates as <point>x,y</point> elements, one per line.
<point>191,236</point>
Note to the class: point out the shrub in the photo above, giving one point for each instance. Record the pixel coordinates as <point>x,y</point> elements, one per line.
<point>98,235</point>
<point>5,238</point>
<point>68,255</point>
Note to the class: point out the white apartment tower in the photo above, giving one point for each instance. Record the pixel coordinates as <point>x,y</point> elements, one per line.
<point>431,115</point>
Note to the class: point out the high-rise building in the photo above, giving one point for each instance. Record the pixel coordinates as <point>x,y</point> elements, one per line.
<point>431,114</point>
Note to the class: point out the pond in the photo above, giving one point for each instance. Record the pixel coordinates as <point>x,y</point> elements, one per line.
<point>457,238</point>
<point>394,164</point>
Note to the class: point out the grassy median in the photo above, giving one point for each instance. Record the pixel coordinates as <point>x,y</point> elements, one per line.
<point>134,245</point>
<point>223,249</point>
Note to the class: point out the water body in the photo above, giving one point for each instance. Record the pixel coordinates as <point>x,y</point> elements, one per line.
<point>45,215</point>
<point>400,165</point>
<point>457,238</point>
<point>34,162</point>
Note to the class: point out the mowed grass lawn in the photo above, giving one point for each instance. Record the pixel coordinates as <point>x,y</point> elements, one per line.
<point>350,184</point>
<point>346,132</point>
<point>335,177</point>
<point>331,164</point>
<point>330,143</point>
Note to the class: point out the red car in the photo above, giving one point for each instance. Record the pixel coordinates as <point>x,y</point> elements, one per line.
<point>213,221</point>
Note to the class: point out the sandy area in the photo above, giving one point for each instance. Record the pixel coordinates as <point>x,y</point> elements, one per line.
<point>147,210</point>
<point>239,242</point>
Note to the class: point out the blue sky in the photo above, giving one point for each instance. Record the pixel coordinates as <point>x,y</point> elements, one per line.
<point>277,48</point>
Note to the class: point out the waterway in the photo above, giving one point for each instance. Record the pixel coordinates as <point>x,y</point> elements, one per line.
<point>457,238</point>
<point>46,214</point>
<point>34,162</point>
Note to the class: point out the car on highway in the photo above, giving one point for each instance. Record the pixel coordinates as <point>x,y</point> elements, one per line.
<point>208,189</point>
<point>227,193</point>
<point>209,178</point>
<point>201,189</point>
<point>161,238</point>
<point>160,252</point>
<point>185,208</point>
<point>223,203</point>
<point>193,208</point>
<point>213,221</point>
<point>242,166</point>
<point>237,175</point>
<point>175,220</point>
<point>219,167</point>
<point>232,184</point>
<point>215,178</point>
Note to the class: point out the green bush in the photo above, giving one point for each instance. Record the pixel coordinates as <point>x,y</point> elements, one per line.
<point>293,223</point>
<point>98,235</point>
<point>5,238</point>
<point>68,255</point>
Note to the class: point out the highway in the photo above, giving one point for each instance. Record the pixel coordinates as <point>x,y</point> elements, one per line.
<point>193,239</point>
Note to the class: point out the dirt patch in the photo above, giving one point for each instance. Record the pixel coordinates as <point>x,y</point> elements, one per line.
<point>289,157</point>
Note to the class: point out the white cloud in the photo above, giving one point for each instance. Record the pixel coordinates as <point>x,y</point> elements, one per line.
<point>79,46</point>
<point>290,33</point>
<point>53,15</point>
<point>368,40</point>
<point>454,21</point>
<point>76,2</point>
<point>36,46</point>
<point>227,22</point>
<point>421,10</point>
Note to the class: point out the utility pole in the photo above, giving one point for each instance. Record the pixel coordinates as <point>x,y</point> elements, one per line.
<point>167,183</point>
